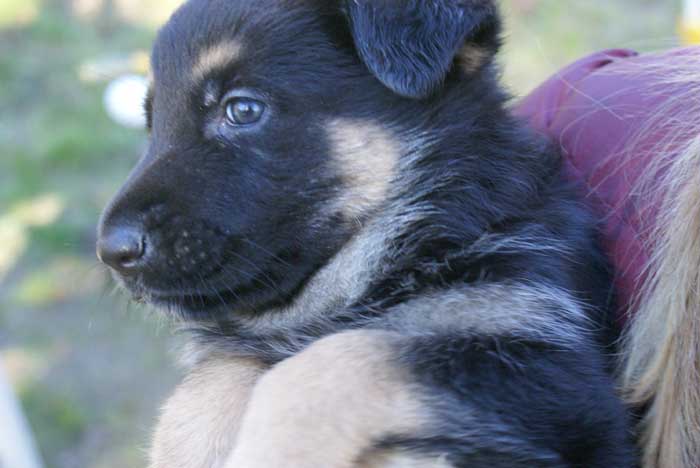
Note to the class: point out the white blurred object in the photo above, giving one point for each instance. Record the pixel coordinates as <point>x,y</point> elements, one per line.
<point>106,68</point>
<point>691,10</point>
<point>17,448</point>
<point>689,27</point>
<point>124,98</point>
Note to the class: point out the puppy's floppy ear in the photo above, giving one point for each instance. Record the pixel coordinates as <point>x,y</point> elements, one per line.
<point>411,45</point>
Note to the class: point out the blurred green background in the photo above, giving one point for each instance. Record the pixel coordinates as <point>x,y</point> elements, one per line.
<point>91,368</point>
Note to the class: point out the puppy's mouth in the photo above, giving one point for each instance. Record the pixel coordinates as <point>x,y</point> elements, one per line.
<point>184,301</point>
<point>231,290</point>
<point>194,269</point>
<point>191,267</point>
<point>193,302</point>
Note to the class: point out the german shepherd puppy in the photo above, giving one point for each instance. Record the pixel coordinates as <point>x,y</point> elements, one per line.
<point>377,264</point>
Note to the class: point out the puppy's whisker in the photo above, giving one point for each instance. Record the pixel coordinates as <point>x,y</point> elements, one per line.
<point>267,251</point>
<point>211,290</point>
<point>269,281</point>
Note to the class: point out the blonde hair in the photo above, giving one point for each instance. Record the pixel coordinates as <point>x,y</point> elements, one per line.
<point>661,346</point>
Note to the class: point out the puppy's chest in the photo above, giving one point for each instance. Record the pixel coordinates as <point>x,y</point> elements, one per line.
<point>506,308</point>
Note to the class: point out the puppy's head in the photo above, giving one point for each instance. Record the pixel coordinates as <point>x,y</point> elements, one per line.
<point>274,133</point>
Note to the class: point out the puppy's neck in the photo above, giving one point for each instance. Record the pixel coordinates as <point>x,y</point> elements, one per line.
<point>274,333</point>
<point>325,301</point>
<point>344,280</point>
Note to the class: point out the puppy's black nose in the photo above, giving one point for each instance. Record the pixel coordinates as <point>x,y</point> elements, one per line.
<point>122,248</point>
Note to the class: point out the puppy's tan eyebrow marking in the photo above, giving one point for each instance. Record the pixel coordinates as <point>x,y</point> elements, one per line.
<point>211,93</point>
<point>471,58</point>
<point>215,58</point>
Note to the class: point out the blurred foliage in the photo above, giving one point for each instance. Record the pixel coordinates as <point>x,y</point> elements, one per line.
<point>543,35</point>
<point>64,419</point>
<point>17,12</point>
<point>90,368</point>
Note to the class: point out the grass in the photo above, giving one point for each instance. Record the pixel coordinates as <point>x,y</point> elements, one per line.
<point>65,421</point>
<point>90,369</point>
<point>105,367</point>
<point>556,32</point>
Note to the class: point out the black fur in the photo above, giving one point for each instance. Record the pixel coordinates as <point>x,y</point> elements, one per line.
<point>410,46</point>
<point>253,203</point>
<point>525,397</point>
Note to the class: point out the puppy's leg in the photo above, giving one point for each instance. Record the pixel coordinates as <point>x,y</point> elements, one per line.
<point>199,423</point>
<point>327,405</point>
<point>438,399</point>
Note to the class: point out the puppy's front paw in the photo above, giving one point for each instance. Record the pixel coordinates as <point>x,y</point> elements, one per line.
<point>328,405</point>
<point>199,423</point>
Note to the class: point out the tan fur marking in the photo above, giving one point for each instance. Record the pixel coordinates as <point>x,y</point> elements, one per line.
<point>471,58</point>
<point>345,277</point>
<point>495,308</point>
<point>326,406</point>
<point>199,423</point>
<point>367,155</point>
<point>216,57</point>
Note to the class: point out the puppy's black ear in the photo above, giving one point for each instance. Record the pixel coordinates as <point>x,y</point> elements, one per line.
<point>411,45</point>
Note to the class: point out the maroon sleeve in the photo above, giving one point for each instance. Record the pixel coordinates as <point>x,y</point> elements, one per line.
<point>608,112</point>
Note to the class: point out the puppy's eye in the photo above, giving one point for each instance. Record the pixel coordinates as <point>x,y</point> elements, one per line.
<point>244,111</point>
